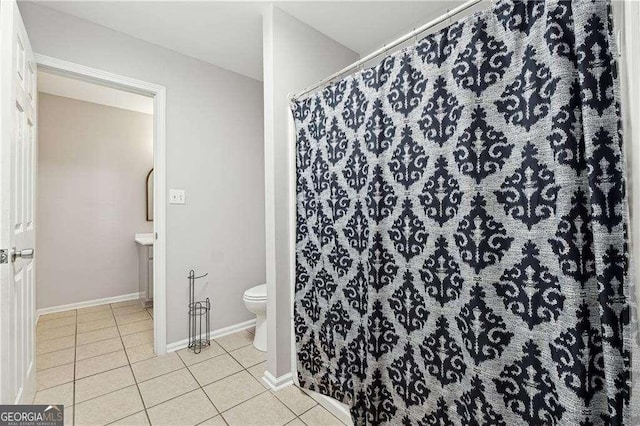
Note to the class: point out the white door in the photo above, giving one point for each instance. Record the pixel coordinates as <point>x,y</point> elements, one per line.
<point>17,228</point>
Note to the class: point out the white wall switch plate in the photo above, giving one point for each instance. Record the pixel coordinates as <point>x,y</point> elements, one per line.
<point>176,196</point>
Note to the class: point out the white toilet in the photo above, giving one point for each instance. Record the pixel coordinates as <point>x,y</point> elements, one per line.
<point>256,301</point>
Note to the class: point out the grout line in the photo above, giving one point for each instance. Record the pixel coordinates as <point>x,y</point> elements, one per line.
<point>263,390</point>
<point>153,378</point>
<point>107,393</point>
<point>55,386</point>
<point>177,396</point>
<point>308,409</point>
<point>137,412</point>
<point>54,338</point>
<point>132,322</point>
<point>217,415</point>
<point>245,369</point>
<point>208,359</point>
<point>105,371</point>
<point>55,366</point>
<point>170,399</point>
<point>248,366</point>
<point>106,353</point>
<point>249,399</point>
<point>202,388</point>
<point>135,381</point>
<point>80,360</point>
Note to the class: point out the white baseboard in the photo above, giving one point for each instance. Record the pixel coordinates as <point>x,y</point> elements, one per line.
<point>88,303</point>
<point>181,344</point>
<point>337,408</point>
<point>277,383</point>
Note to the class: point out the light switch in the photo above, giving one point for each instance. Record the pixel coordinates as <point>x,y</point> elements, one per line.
<point>176,196</point>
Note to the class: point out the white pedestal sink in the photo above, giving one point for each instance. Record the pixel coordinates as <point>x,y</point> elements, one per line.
<point>145,268</point>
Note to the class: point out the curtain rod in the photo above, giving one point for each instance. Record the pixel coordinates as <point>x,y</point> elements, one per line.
<point>387,47</point>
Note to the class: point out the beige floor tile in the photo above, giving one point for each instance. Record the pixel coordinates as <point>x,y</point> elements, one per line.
<point>103,383</point>
<point>100,363</point>
<point>235,340</point>
<point>62,394</point>
<point>248,356</point>
<point>296,422</point>
<point>132,302</point>
<point>136,339</point>
<point>294,398</point>
<point>127,310</point>
<point>140,352</point>
<point>90,309</point>
<point>97,335</point>
<point>55,333</point>
<point>54,376</point>
<point>96,325</point>
<point>263,410</point>
<point>109,408</point>
<point>150,311</point>
<point>165,387</point>
<point>215,369</point>
<point>189,409</point>
<point>154,367</point>
<point>55,323</point>
<point>138,419</point>
<point>68,415</point>
<point>55,344</point>
<point>98,348</point>
<point>257,371</point>
<point>189,357</point>
<point>54,359</point>
<point>56,315</point>
<point>214,421</point>
<point>95,316</point>
<point>133,317</point>
<point>233,390</point>
<point>319,416</point>
<point>136,327</point>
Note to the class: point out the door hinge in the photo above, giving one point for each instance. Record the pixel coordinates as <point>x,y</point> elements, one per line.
<point>4,256</point>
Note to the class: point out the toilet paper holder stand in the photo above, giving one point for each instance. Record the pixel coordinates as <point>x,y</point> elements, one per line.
<point>199,312</point>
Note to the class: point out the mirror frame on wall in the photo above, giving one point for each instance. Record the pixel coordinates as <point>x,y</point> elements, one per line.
<point>150,196</point>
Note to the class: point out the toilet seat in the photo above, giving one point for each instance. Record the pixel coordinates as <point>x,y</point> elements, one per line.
<point>255,299</point>
<point>256,293</point>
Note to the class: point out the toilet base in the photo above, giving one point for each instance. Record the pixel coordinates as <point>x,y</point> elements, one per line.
<point>260,338</point>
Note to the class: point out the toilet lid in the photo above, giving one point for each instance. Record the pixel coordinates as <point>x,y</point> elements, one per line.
<point>258,292</point>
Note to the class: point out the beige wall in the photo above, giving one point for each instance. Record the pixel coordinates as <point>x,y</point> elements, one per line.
<point>295,56</point>
<point>214,152</point>
<point>92,166</point>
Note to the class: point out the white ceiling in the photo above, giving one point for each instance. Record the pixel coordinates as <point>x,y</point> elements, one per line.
<point>365,26</point>
<point>229,34</point>
<point>89,92</point>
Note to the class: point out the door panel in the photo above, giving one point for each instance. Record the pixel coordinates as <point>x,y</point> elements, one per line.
<point>18,97</point>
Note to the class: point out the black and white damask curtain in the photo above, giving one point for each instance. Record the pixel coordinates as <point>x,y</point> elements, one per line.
<point>461,227</point>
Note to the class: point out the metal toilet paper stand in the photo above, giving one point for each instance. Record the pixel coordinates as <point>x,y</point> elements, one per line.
<point>198,314</point>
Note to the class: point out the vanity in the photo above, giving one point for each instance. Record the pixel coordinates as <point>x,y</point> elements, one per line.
<point>144,244</point>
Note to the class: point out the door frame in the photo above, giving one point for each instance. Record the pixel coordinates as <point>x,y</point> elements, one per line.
<point>158,93</point>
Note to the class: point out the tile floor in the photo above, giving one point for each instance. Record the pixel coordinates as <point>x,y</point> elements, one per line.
<point>99,363</point>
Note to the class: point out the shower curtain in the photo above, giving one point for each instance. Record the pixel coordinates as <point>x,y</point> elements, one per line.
<point>461,254</point>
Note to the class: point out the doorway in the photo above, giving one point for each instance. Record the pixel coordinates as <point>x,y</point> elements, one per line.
<point>154,183</point>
